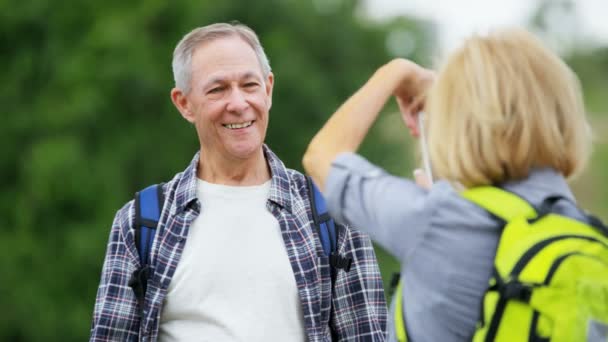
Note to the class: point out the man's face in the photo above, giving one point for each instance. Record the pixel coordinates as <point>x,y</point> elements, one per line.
<point>229,99</point>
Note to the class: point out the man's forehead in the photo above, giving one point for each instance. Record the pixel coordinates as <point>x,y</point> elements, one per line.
<point>221,76</point>
<point>226,57</point>
<point>224,40</point>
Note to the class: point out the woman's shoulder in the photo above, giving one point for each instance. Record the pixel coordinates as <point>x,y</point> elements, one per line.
<point>452,210</point>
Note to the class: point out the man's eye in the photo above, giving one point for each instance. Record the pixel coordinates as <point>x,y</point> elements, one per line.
<point>251,84</point>
<point>215,90</point>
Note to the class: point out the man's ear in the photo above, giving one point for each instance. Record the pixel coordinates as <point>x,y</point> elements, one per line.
<point>269,84</point>
<point>181,102</point>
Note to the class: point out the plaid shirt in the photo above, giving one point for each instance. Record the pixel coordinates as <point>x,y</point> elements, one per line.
<point>354,311</point>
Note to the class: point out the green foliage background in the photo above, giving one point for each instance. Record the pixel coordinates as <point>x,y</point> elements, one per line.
<point>88,121</point>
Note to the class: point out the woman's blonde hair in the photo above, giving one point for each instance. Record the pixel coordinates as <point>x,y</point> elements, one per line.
<point>501,105</point>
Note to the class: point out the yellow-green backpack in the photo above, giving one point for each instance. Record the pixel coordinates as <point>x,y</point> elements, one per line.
<point>550,278</point>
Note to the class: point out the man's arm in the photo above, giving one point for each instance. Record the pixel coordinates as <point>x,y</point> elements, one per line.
<point>359,307</point>
<point>116,315</point>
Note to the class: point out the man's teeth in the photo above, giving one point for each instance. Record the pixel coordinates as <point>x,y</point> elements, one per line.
<point>238,125</point>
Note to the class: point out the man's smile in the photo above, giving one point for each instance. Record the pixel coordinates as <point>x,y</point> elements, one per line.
<point>244,124</point>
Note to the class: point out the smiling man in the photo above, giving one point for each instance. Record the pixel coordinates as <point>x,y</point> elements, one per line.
<point>236,255</point>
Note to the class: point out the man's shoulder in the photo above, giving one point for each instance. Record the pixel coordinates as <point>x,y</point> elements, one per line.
<point>295,176</point>
<point>125,215</point>
<point>286,177</point>
<point>298,183</point>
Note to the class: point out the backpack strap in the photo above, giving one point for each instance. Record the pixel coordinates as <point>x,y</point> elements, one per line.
<point>512,212</point>
<point>148,207</point>
<point>507,206</point>
<point>502,204</point>
<point>548,206</point>
<point>399,321</point>
<point>326,227</point>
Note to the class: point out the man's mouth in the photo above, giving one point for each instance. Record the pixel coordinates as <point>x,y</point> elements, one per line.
<point>238,125</point>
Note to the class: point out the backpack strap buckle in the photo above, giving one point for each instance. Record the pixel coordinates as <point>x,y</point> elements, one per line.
<point>338,261</point>
<point>516,290</point>
<point>139,282</point>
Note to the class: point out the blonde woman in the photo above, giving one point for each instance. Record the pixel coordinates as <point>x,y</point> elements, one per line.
<point>502,110</point>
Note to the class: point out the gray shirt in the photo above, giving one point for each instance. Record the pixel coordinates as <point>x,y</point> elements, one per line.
<point>446,244</point>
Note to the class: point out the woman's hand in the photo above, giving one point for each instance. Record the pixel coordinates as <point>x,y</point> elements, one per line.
<point>348,126</point>
<point>411,92</point>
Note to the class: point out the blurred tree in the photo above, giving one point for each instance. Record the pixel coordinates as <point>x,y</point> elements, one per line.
<point>591,66</point>
<point>89,121</point>
<point>558,22</point>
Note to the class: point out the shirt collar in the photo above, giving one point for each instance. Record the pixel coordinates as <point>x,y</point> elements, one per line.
<point>540,184</point>
<point>279,185</point>
<point>280,190</point>
<point>185,192</point>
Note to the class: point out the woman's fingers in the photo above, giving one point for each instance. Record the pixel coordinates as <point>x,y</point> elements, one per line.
<point>408,116</point>
<point>422,179</point>
<point>409,113</point>
<point>416,82</point>
<point>411,96</point>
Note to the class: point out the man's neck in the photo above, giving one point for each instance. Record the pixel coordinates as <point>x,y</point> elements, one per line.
<point>214,168</point>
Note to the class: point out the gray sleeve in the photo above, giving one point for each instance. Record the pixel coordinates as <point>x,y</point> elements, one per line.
<point>393,211</point>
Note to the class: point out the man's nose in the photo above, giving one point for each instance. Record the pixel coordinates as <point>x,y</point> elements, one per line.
<point>237,102</point>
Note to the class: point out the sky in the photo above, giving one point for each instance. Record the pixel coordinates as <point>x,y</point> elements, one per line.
<point>459,18</point>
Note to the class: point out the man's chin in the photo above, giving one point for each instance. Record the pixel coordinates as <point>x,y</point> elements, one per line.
<point>245,152</point>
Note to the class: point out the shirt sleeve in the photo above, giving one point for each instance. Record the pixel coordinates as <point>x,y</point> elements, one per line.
<point>394,211</point>
<point>116,315</point>
<point>358,305</point>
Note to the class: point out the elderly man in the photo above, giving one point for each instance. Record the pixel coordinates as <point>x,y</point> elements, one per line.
<point>235,256</point>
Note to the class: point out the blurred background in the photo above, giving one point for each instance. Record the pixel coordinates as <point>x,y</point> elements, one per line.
<point>88,120</point>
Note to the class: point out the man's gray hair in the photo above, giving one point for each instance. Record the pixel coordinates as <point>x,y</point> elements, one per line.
<point>182,56</point>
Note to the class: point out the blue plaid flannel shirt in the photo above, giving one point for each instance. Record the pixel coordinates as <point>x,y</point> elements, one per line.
<point>354,311</point>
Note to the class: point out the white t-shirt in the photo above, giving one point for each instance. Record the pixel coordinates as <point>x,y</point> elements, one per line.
<point>234,281</point>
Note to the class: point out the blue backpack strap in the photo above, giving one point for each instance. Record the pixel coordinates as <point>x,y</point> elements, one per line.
<point>148,207</point>
<point>326,227</point>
